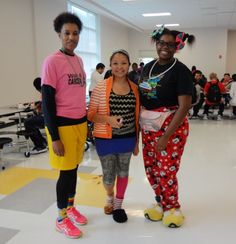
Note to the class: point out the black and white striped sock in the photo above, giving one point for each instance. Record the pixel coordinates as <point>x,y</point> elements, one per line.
<point>118,203</point>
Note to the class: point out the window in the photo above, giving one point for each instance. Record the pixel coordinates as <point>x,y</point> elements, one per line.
<point>88,48</point>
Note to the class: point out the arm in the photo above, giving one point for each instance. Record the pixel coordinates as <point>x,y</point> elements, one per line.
<point>137,112</point>
<point>49,110</point>
<point>95,103</point>
<point>184,106</point>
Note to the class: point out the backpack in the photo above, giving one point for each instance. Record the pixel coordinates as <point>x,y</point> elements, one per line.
<point>214,93</point>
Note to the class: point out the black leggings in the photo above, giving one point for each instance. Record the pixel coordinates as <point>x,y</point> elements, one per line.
<point>66,186</point>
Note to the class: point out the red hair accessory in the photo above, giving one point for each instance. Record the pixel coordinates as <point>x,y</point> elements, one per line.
<point>179,41</point>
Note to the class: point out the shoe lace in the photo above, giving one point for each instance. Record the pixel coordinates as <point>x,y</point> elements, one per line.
<point>75,212</point>
<point>68,225</point>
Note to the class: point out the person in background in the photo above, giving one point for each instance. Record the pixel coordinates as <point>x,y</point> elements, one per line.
<point>140,69</point>
<point>214,92</point>
<point>166,87</point>
<point>232,93</point>
<point>96,76</point>
<point>193,69</point>
<point>114,109</point>
<point>64,107</point>
<point>198,81</point>
<point>108,74</point>
<point>134,75</point>
<point>226,81</point>
<point>34,123</point>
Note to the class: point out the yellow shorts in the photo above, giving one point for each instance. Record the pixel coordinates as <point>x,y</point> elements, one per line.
<point>73,138</point>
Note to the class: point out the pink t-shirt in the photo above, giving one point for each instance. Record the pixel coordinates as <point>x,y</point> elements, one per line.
<point>67,76</point>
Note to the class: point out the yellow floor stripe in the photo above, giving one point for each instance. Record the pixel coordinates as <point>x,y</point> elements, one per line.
<point>90,191</point>
<point>14,178</point>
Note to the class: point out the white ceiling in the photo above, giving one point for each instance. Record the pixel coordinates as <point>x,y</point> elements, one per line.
<point>188,13</point>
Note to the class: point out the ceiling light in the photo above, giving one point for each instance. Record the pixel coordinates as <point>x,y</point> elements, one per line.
<point>156,14</point>
<point>159,25</point>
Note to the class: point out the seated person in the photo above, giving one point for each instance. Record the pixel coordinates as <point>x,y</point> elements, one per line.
<point>199,83</point>
<point>36,122</point>
<point>226,81</point>
<point>214,91</point>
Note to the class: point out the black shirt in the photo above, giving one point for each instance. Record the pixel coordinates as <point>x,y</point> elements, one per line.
<point>163,91</point>
<point>133,76</point>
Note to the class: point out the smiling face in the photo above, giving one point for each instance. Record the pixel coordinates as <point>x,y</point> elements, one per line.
<point>69,36</point>
<point>166,48</point>
<point>119,65</point>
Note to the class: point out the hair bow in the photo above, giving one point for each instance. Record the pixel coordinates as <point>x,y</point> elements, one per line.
<point>179,40</point>
<point>158,31</point>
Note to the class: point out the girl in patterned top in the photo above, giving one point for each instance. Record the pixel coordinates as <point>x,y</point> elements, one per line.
<point>114,109</point>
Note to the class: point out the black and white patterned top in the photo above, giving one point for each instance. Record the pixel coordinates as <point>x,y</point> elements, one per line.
<point>124,106</point>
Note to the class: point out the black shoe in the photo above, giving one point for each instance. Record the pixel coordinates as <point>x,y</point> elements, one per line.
<point>119,215</point>
<point>37,150</point>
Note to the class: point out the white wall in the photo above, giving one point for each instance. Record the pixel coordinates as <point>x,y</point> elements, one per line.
<point>27,37</point>
<point>139,44</point>
<point>113,36</point>
<point>209,51</point>
<point>231,53</point>
<point>46,38</point>
<point>17,59</point>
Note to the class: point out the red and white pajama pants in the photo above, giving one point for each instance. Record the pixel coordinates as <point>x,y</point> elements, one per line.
<point>161,167</point>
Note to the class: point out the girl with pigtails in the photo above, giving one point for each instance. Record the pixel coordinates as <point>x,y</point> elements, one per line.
<point>166,88</point>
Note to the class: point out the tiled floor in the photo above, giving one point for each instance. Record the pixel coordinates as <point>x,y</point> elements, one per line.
<point>207,181</point>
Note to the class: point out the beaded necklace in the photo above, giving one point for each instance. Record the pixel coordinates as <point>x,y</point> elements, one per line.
<point>154,77</point>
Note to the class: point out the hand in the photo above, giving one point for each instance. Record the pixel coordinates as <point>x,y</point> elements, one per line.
<point>161,144</point>
<point>115,121</point>
<point>58,148</point>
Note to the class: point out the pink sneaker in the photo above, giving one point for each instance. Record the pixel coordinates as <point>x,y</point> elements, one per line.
<point>67,227</point>
<point>76,217</point>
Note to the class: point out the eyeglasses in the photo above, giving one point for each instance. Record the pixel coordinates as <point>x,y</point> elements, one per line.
<point>170,45</point>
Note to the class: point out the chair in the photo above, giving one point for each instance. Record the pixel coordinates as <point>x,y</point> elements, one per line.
<point>3,141</point>
<point>18,121</point>
<point>27,142</point>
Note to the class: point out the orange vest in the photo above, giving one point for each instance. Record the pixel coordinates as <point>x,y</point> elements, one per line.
<point>99,104</point>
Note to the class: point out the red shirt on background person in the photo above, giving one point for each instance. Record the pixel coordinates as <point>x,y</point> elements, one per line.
<point>213,80</point>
